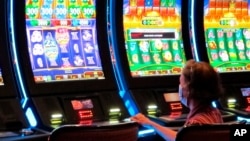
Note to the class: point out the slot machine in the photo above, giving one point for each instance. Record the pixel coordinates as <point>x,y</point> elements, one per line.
<point>63,59</point>
<point>151,43</point>
<point>13,123</point>
<point>221,34</point>
<point>150,40</point>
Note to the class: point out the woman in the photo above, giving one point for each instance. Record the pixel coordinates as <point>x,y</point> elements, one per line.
<point>199,86</point>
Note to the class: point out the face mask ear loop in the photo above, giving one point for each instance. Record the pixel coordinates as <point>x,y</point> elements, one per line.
<point>182,98</point>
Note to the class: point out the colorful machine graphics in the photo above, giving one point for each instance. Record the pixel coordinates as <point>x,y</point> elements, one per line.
<point>62,40</point>
<point>227,32</point>
<point>246,95</point>
<point>85,110</point>
<point>153,37</point>
<point>1,78</point>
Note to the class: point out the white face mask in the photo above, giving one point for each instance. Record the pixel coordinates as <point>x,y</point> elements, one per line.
<point>182,98</point>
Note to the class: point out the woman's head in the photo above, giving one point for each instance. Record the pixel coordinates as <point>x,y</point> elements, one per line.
<point>200,81</point>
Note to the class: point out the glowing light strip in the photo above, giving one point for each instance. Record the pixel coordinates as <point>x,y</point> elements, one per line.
<point>130,105</point>
<point>193,32</point>
<point>145,132</point>
<point>152,107</point>
<point>56,116</point>
<point>25,98</point>
<point>113,43</point>
<point>231,100</point>
<point>244,119</point>
<point>214,104</point>
<point>31,117</point>
<point>115,110</point>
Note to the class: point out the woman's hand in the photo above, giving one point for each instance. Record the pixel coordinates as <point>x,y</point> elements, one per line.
<point>141,119</point>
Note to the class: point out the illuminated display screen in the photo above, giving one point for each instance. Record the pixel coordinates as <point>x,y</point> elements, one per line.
<point>171,97</point>
<point>153,37</point>
<point>62,40</point>
<point>227,32</point>
<point>83,110</point>
<point>174,101</point>
<point>1,78</point>
<point>82,104</point>
<point>86,110</point>
<point>245,92</point>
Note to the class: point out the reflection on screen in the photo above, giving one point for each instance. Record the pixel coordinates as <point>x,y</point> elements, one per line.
<point>62,40</point>
<point>153,37</point>
<point>227,32</point>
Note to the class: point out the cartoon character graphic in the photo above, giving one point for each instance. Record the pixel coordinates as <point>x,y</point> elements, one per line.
<point>224,55</point>
<point>240,44</point>
<point>241,49</point>
<point>156,58</point>
<point>167,56</point>
<point>62,38</point>
<point>246,33</point>
<point>212,45</point>
<point>51,50</point>
<point>158,45</point>
<point>144,46</point>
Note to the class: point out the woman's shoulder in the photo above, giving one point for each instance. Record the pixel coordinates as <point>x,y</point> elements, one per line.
<point>206,117</point>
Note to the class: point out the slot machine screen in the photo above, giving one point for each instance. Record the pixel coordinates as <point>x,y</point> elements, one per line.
<point>1,78</point>
<point>62,40</point>
<point>227,34</point>
<point>153,37</point>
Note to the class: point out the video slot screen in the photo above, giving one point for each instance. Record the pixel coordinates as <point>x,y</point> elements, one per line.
<point>227,34</point>
<point>62,40</point>
<point>153,38</point>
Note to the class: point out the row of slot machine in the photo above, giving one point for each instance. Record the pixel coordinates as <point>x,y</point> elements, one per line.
<point>100,62</point>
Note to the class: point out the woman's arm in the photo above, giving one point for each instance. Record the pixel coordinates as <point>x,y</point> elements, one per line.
<point>167,133</point>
